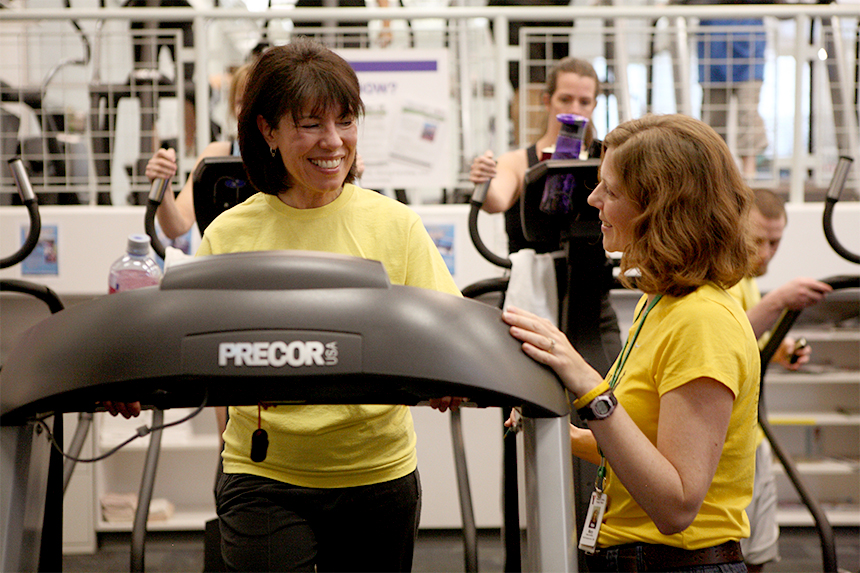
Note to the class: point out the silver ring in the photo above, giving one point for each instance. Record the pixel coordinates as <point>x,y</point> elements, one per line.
<point>551,345</point>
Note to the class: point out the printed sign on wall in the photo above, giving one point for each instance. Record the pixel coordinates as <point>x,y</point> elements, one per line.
<point>43,260</point>
<point>404,138</point>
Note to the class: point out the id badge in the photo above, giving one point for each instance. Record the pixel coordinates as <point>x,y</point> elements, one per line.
<point>593,521</point>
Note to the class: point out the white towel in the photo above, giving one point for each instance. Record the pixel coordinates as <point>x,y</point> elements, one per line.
<point>173,255</point>
<point>533,286</point>
<point>121,507</point>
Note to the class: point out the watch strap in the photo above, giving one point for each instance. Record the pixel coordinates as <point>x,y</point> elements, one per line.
<point>586,398</point>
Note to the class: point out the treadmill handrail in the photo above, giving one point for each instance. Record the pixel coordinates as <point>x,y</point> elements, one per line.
<point>476,203</point>
<point>153,202</point>
<point>398,345</point>
<point>29,200</point>
<point>276,270</point>
<point>840,175</point>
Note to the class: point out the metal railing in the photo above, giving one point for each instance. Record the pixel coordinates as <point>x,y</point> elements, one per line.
<point>85,128</point>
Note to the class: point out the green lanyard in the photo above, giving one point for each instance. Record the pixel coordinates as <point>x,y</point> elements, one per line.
<point>613,382</point>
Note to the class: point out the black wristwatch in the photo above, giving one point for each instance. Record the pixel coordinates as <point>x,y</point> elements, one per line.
<point>600,408</point>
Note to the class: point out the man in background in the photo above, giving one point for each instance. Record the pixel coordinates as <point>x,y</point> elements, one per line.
<point>768,224</point>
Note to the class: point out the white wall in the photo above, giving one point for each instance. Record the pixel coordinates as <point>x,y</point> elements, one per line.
<point>804,250</point>
<point>89,239</point>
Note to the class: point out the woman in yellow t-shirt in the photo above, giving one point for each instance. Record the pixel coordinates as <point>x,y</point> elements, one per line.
<point>337,486</point>
<point>673,424</point>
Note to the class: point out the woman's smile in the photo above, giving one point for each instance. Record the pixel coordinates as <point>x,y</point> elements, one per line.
<point>328,163</point>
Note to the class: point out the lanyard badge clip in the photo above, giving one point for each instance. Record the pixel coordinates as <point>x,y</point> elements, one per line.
<point>596,509</point>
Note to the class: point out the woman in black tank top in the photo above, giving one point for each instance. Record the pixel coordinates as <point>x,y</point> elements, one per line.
<point>585,274</point>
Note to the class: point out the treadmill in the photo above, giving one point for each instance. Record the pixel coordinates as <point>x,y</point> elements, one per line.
<point>165,347</point>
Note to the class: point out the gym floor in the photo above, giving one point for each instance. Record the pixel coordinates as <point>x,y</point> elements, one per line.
<point>436,551</point>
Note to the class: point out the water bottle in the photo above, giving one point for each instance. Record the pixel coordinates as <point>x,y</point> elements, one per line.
<point>136,268</point>
<point>557,197</point>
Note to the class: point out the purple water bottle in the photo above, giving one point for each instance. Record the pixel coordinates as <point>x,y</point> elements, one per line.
<point>136,268</point>
<point>558,189</point>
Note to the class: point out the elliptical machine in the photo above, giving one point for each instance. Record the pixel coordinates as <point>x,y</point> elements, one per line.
<point>50,554</point>
<point>780,330</point>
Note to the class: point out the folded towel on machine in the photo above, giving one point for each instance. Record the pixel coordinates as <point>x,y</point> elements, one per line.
<point>532,285</point>
<point>121,507</point>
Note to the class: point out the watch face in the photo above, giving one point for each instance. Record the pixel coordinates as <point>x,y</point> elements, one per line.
<point>602,407</point>
<point>599,408</point>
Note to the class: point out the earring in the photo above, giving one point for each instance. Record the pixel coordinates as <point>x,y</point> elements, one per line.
<point>273,151</point>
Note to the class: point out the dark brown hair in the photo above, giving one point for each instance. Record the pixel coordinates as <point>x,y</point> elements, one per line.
<point>298,78</point>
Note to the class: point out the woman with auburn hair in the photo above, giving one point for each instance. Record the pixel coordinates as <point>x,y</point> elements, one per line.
<point>693,202</point>
<point>672,426</point>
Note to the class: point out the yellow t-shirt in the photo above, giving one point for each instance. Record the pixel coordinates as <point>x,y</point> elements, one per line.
<point>328,446</point>
<point>748,294</point>
<point>703,334</point>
